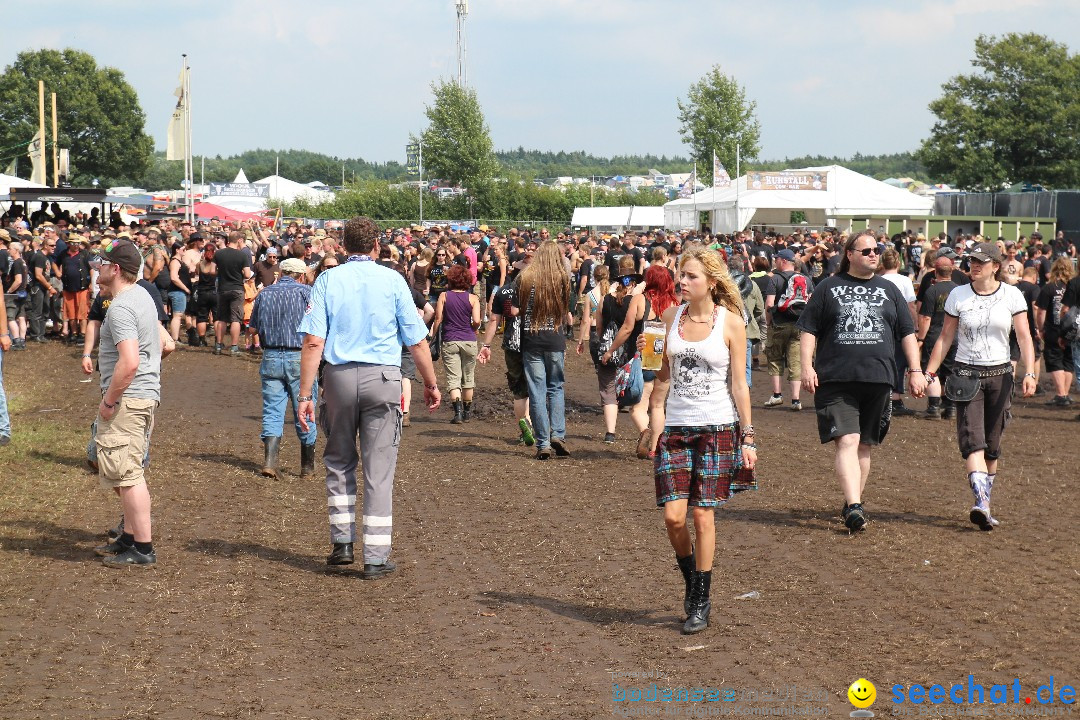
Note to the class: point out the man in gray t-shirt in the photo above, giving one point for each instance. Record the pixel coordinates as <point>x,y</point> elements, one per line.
<point>130,364</point>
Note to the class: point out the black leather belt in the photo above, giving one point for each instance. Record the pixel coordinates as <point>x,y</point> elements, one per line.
<point>981,371</point>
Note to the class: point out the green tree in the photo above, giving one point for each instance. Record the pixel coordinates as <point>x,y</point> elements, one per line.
<point>717,117</point>
<point>1016,119</point>
<point>99,117</point>
<point>457,142</point>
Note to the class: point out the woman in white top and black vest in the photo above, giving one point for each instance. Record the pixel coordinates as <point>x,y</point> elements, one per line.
<point>980,316</point>
<point>707,450</point>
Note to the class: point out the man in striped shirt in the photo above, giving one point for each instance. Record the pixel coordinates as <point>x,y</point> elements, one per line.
<point>275,316</point>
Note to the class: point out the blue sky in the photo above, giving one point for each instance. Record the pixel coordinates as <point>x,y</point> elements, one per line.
<point>351,78</point>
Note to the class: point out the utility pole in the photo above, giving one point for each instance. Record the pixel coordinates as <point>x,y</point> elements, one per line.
<point>462,12</point>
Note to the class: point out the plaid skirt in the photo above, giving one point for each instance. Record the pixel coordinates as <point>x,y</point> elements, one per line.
<point>701,464</point>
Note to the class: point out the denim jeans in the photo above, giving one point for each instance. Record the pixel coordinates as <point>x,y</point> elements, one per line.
<point>280,373</point>
<point>749,378</point>
<point>1076,361</point>
<point>5,421</point>
<point>544,376</point>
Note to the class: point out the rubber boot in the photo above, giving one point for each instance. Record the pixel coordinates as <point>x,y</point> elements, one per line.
<point>980,511</point>
<point>686,567</point>
<point>307,460</point>
<point>270,456</point>
<point>700,605</point>
<point>459,412</point>
<point>466,414</point>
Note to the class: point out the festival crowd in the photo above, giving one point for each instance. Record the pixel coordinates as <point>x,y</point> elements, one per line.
<point>356,314</point>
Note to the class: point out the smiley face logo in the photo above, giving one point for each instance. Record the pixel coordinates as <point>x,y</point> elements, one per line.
<point>862,693</point>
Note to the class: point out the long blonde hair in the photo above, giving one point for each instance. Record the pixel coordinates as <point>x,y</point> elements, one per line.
<point>546,281</point>
<point>725,292</point>
<point>602,276</point>
<point>1061,271</point>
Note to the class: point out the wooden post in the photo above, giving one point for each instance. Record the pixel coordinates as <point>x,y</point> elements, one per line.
<point>41,128</point>
<point>55,152</point>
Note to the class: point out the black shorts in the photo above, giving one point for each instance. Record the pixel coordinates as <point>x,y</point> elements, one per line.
<point>230,306</point>
<point>515,374</point>
<point>408,366</point>
<point>205,304</point>
<point>847,408</point>
<point>1058,358</point>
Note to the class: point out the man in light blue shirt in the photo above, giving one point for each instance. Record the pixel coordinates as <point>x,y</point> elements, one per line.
<point>360,315</point>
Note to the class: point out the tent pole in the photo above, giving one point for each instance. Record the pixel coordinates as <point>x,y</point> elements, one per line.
<point>738,174</point>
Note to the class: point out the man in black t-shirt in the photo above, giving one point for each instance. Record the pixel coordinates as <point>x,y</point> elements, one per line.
<point>931,320</point>
<point>502,302</point>
<point>1057,354</point>
<point>854,321</point>
<point>233,268</point>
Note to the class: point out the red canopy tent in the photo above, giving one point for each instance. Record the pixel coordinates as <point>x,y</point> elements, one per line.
<point>207,211</point>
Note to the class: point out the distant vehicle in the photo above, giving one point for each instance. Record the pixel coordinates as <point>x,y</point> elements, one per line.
<point>445,192</point>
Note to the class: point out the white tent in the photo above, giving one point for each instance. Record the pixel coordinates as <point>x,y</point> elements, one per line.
<point>10,181</point>
<point>289,190</point>
<point>618,218</point>
<point>241,177</point>
<point>848,194</point>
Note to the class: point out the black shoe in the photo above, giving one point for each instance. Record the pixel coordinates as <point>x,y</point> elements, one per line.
<point>700,605</point>
<point>686,567</point>
<point>114,548</point>
<point>543,454</point>
<point>458,410</point>
<point>371,572</point>
<point>130,557</point>
<point>466,413</point>
<point>899,409</point>
<point>932,413</point>
<point>114,533</point>
<point>559,446</point>
<point>609,438</point>
<point>854,517</point>
<point>340,555</point>
<point>948,412</point>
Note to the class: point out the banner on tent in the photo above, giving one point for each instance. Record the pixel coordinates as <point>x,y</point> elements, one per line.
<point>260,190</point>
<point>787,181</point>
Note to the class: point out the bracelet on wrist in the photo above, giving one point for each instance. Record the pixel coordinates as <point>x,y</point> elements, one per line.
<point>302,398</point>
<point>431,387</point>
<point>86,356</point>
<point>1031,375</point>
<point>751,446</point>
<point>912,371</point>
<point>106,404</point>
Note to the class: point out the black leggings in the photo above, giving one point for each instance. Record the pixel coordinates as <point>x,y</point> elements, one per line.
<point>980,423</point>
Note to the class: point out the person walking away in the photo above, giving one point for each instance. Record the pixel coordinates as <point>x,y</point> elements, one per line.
<point>543,300</point>
<point>930,321</point>
<point>889,269</point>
<point>854,321</point>
<point>785,299</point>
<point>277,312</point>
<point>129,362</point>
<point>457,314</point>
<point>1057,354</point>
<point>605,373</point>
<point>622,317</point>
<point>753,303</point>
<point>979,316</point>
<point>707,451</point>
<point>359,316</point>
<point>233,269</point>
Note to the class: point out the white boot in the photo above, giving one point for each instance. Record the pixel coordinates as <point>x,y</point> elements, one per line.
<point>980,488</point>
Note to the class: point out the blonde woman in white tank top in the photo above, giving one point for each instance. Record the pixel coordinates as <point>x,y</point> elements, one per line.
<point>707,450</point>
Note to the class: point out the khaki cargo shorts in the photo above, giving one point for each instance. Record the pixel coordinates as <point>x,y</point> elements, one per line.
<point>121,443</point>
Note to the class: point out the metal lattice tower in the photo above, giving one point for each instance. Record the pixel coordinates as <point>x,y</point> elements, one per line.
<point>462,12</point>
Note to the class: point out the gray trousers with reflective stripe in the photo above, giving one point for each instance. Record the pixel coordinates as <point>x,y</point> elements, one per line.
<point>362,400</point>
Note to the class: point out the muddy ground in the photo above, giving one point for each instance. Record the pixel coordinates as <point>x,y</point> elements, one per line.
<point>523,585</point>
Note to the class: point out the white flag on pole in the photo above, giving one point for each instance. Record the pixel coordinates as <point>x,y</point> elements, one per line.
<point>176,146</point>
<point>720,177</point>
<point>37,159</point>
<point>688,187</point>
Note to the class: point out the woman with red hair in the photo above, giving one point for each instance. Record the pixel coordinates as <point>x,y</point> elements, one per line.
<point>660,291</point>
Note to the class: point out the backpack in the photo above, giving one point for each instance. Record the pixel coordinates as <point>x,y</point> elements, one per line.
<point>1070,325</point>
<point>792,299</point>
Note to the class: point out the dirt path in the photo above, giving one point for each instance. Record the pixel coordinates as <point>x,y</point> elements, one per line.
<point>524,585</point>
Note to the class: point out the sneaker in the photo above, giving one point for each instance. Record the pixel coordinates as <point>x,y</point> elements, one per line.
<point>774,401</point>
<point>526,432</point>
<point>559,446</point>
<point>796,405</point>
<point>129,558</point>
<point>1061,401</point>
<point>114,533</point>
<point>405,420</point>
<point>113,548</point>
<point>981,516</point>
<point>609,438</point>
<point>854,517</point>
<point>235,351</point>
<point>219,348</point>
<point>4,440</point>
<point>543,453</point>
